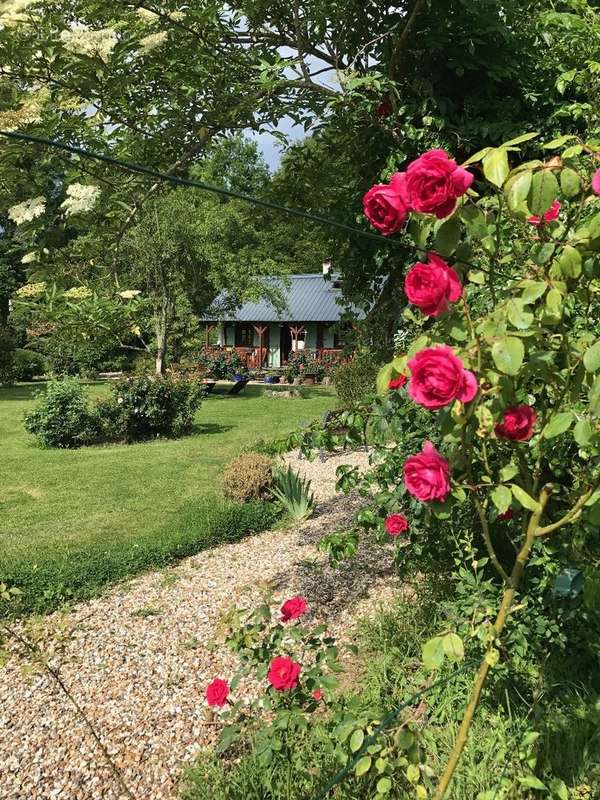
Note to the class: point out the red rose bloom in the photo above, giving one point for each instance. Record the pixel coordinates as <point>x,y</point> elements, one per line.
<point>396,524</point>
<point>434,182</point>
<point>596,182</point>
<point>293,608</point>
<point>437,378</point>
<point>384,109</point>
<point>432,286</point>
<point>506,515</point>
<point>427,475</point>
<point>386,205</point>
<point>517,423</point>
<point>283,673</point>
<point>397,383</point>
<point>318,695</point>
<point>550,215</point>
<point>217,692</point>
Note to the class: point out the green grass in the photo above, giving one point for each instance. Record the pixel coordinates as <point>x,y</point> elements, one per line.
<point>73,520</point>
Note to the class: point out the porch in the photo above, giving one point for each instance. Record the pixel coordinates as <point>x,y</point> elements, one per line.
<point>269,345</point>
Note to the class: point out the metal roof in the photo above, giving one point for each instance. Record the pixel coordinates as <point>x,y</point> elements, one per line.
<point>309,298</point>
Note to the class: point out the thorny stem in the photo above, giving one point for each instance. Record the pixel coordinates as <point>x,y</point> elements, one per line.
<point>35,651</point>
<point>499,624</point>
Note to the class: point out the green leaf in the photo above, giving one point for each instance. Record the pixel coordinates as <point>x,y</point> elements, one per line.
<point>594,398</point>
<point>384,376</point>
<point>524,137</point>
<point>593,226</point>
<point>517,189</point>
<point>569,262</point>
<point>558,789</point>
<point>517,314</point>
<point>524,499</point>
<point>554,302</point>
<point>582,432</point>
<point>533,290</point>
<point>413,773</point>
<point>558,424</point>
<point>356,740</point>
<point>476,157</point>
<point>364,765</point>
<point>447,237</point>
<point>508,472</point>
<point>495,166</point>
<point>570,182</point>
<point>453,647</point>
<point>556,143</point>
<point>502,498</point>
<point>433,653</point>
<point>572,151</point>
<point>591,358</point>
<point>543,192</point>
<point>508,354</point>
<point>383,785</point>
<point>531,782</point>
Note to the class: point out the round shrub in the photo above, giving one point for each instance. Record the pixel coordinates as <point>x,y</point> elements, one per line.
<point>221,364</point>
<point>356,379</point>
<point>148,406</point>
<point>247,477</point>
<point>62,417</point>
<point>28,364</point>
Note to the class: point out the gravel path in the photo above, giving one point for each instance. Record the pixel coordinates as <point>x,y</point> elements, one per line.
<point>137,659</point>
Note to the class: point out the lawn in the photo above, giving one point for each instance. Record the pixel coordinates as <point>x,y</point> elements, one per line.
<point>74,520</point>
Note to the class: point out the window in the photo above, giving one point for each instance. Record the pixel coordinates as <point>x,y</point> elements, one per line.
<point>244,336</point>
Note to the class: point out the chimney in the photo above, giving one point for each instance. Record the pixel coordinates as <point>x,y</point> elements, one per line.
<point>326,267</point>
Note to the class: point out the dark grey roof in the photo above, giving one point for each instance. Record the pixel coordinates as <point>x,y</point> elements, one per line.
<point>309,298</point>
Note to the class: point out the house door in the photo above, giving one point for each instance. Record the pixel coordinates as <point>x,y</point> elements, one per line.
<point>285,342</point>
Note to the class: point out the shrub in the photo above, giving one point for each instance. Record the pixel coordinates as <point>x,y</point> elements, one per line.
<point>356,379</point>
<point>28,364</point>
<point>221,364</point>
<point>247,477</point>
<point>62,417</point>
<point>148,406</point>
<point>83,356</point>
<point>7,356</point>
<point>302,363</point>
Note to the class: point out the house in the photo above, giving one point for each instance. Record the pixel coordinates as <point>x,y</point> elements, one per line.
<point>264,336</point>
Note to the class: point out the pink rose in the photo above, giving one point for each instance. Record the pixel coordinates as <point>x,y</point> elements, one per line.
<point>386,205</point>
<point>596,182</point>
<point>283,673</point>
<point>432,286</point>
<point>395,524</point>
<point>318,695</point>
<point>217,692</point>
<point>293,608</point>
<point>427,475</point>
<point>550,215</point>
<point>517,423</point>
<point>397,383</point>
<point>437,378</point>
<point>434,182</point>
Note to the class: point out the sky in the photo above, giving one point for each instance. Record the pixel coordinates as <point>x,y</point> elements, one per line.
<point>271,148</point>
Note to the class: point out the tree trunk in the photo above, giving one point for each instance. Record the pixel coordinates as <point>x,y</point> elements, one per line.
<point>161,339</point>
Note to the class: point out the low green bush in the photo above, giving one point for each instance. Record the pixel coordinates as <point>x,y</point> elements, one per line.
<point>62,417</point>
<point>28,365</point>
<point>355,380</point>
<point>7,356</point>
<point>80,570</point>
<point>148,406</point>
<point>220,364</point>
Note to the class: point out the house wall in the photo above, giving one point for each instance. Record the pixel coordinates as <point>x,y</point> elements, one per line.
<point>274,356</point>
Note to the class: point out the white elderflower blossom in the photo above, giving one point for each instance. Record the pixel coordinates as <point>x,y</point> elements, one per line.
<point>146,15</point>
<point>29,258</point>
<point>152,41</point>
<point>12,12</point>
<point>80,198</point>
<point>86,42</point>
<point>29,113</point>
<point>177,16</point>
<point>32,290</point>
<point>28,210</point>
<point>129,294</point>
<point>78,293</point>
